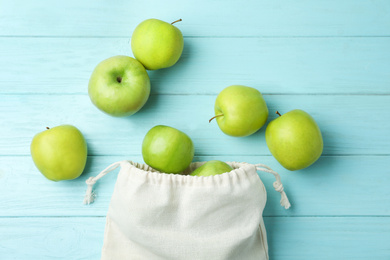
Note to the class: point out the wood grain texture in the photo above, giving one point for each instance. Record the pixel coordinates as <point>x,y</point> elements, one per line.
<point>206,18</point>
<point>328,238</point>
<point>330,58</point>
<point>273,65</point>
<point>288,238</point>
<point>348,123</point>
<point>51,238</point>
<point>341,185</point>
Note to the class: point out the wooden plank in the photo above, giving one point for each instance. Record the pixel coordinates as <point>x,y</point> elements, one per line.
<point>254,18</point>
<point>328,238</point>
<point>51,238</point>
<point>288,238</point>
<point>336,185</point>
<point>350,124</point>
<point>273,65</point>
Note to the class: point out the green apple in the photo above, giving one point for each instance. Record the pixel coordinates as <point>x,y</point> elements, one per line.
<point>157,44</point>
<point>294,139</point>
<point>119,86</point>
<point>167,149</point>
<point>240,110</point>
<point>60,153</point>
<point>212,168</point>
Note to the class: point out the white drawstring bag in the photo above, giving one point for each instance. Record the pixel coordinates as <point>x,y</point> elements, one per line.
<point>155,215</point>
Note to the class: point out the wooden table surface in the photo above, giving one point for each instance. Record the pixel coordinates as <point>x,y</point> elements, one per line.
<point>329,58</point>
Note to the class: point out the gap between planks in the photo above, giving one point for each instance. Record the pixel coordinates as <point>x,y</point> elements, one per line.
<point>197,37</point>
<point>197,94</point>
<point>216,155</point>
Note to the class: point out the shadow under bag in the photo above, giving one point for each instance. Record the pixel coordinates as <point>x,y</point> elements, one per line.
<point>155,215</point>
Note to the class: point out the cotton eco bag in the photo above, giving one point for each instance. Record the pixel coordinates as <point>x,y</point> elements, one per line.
<point>155,215</point>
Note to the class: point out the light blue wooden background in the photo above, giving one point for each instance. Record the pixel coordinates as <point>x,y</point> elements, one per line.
<point>330,58</point>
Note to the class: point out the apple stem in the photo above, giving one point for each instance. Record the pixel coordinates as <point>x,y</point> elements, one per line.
<point>215,117</point>
<point>119,79</point>
<point>277,112</point>
<point>176,21</point>
<point>47,127</point>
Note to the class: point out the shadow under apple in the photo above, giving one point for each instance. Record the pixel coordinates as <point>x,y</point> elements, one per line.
<point>161,81</point>
<point>169,80</point>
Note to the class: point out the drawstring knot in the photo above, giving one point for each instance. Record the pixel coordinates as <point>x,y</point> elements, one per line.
<point>278,186</point>
<point>89,194</point>
<point>90,181</point>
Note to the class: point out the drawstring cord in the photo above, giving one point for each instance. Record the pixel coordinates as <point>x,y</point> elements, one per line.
<point>90,195</point>
<point>278,186</point>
